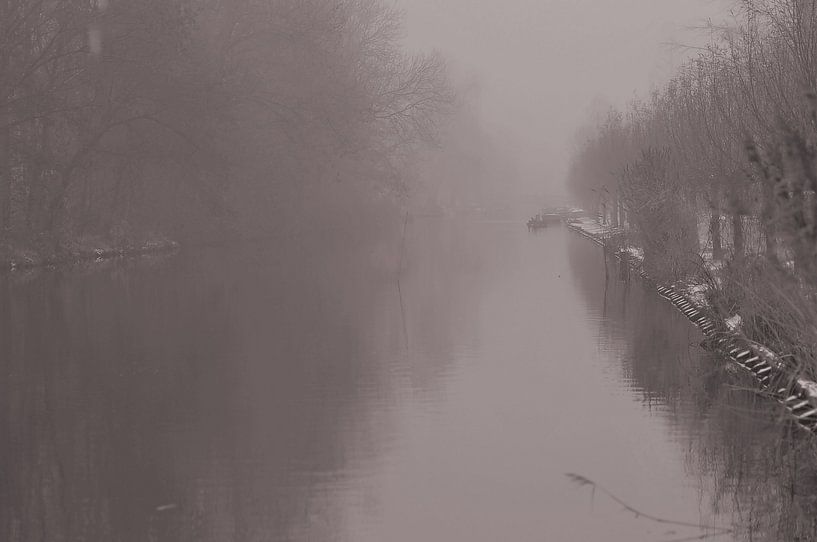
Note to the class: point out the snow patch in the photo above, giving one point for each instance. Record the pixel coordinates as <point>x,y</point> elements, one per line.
<point>733,322</point>
<point>809,387</point>
<point>636,252</point>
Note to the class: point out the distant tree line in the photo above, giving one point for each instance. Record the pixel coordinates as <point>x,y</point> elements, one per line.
<point>718,165</point>
<point>199,116</point>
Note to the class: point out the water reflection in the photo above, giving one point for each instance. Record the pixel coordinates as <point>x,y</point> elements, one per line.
<point>259,394</point>
<point>755,471</point>
<point>201,398</point>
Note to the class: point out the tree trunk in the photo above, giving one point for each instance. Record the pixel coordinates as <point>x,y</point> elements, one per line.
<point>614,214</point>
<point>770,232</point>
<point>738,242</point>
<point>715,233</point>
<point>715,229</point>
<point>5,174</point>
<point>768,220</point>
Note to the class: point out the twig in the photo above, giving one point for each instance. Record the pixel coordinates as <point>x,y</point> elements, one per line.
<point>582,481</point>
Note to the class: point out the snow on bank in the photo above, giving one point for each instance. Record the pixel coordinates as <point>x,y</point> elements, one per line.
<point>635,253</point>
<point>798,395</point>
<point>89,249</point>
<point>697,294</point>
<point>734,322</point>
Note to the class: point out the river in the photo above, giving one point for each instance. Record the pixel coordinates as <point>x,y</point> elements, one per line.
<point>257,394</point>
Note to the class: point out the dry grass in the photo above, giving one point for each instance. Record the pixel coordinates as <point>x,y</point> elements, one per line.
<point>778,309</point>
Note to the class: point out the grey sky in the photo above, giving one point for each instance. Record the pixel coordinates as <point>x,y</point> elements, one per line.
<point>542,64</point>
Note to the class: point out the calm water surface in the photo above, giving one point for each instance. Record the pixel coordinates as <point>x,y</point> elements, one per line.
<point>261,395</point>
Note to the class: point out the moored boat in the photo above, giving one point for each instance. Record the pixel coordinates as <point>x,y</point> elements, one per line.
<point>543,220</point>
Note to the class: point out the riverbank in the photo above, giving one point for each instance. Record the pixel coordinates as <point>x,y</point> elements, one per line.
<point>82,250</point>
<point>722,333</point>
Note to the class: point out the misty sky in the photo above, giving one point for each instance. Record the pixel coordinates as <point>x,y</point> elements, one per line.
<point>544,65</point>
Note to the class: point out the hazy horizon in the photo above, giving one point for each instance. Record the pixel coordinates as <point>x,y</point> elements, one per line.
<point>542,67</point>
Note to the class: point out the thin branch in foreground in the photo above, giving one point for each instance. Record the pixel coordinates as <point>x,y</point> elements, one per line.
<point>713,531</point>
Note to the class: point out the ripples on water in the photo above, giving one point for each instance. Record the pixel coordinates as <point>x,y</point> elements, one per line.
<point>255,394</point>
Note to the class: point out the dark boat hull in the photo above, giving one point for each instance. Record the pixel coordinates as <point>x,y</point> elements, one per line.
<point>543,221</point>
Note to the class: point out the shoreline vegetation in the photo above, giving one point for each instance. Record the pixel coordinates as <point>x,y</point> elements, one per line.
<point>207,120</point>
<point>711,182</point>
<point>83,251</point>
<point>723,334</point>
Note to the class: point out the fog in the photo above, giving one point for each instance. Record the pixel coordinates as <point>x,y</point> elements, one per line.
<point>544,66</point>
<point>371,270</point>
